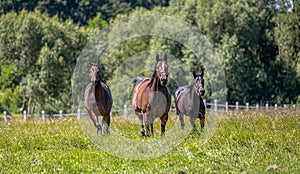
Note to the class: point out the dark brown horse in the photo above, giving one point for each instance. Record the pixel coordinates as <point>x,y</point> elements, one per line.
<point>189,102</point>
<point>98,100</point>
<point>151,98</point>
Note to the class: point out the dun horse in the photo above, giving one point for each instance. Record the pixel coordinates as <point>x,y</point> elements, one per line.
<point>188,101</point>
<point>151,98</point>
<point>98,100</point>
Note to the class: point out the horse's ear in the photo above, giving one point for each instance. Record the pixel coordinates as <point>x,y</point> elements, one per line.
<point>157,57</point>
<point>194,74</point>
<point>202,72</point>
<point>165,57</point>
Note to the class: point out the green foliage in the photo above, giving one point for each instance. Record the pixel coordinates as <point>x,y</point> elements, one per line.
<point>10,96</point>
<point>62,146</point>
<point>43,51</point>
<point>97,22</point>
<point>79,11</point>
<point>243,35</point>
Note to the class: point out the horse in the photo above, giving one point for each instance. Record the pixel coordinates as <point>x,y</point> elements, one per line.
<point>98,99</point>
<point>151,98</point>
<point>188,101</point>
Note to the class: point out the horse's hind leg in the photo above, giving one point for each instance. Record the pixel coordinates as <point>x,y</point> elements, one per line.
<point>181,120</point>
<point>142,124</point>
<point>202,121</point>
<point>202,114</point>
<point>164,120</point>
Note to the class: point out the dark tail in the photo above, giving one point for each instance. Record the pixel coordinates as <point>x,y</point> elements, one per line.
<point>137,80</point>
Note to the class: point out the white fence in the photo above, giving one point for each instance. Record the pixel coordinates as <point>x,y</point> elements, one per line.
<point>215,106</point>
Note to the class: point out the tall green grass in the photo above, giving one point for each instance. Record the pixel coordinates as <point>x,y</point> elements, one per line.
<point>244,142</point>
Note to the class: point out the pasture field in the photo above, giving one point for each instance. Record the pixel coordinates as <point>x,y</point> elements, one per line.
<point>244,142</point>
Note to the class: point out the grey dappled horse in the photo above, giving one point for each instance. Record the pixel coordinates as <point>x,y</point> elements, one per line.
<point>189,102</point>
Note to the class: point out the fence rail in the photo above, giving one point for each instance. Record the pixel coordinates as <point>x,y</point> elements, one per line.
<point>215,106</point>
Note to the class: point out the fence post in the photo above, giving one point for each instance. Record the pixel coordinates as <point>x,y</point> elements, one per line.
<point>61,113</point>
<point>257,106</point>
<point>216,104</point>
<point>294,106</point>
<point>247,106</point>
<point>125,110</point>
<point>204,101</point>
<point>237,105</point>
<point>5,116</point>
<point>284,106</point>
<point>43,116</point>
<point>267,106</point>
<point>78,114</point>
<point>276,106</point>
<point>24,116</point>
<point>226,106</point>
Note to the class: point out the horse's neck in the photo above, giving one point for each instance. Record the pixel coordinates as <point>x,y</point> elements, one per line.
<point>92,87</point>
<point>155,85</point>
<point>192,90</point>
<point>99,87</point>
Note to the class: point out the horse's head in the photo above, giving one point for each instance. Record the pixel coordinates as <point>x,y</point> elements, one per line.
<point>94,72</point>
<point>161,68</point>
<point>199,83</point>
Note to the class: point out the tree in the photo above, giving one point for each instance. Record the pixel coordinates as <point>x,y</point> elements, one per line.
<point>44,51</point>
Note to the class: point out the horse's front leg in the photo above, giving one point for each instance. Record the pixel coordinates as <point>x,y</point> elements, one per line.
<point>164,120</point>
<point>192,120</point>
<point>94,118</point>
<point>151,127</point>
<point>98,128</point>
<point>142,124</point>
<point>95,114</point>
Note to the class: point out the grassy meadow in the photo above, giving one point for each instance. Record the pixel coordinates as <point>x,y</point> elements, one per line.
<point>244,142</point>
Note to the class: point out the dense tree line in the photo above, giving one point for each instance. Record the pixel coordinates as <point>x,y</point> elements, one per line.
<point>256,41</point>
<point>80,11</point>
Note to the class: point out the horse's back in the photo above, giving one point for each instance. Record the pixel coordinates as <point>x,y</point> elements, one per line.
<point>137,80</point>
<point>180,91</point>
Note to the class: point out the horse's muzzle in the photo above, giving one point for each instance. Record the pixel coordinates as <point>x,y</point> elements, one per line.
<point>201,92</point>
<point>164,81</point>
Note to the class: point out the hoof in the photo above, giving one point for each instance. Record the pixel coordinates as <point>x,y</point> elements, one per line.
<point>98,129</point>
<point>142,135</point>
